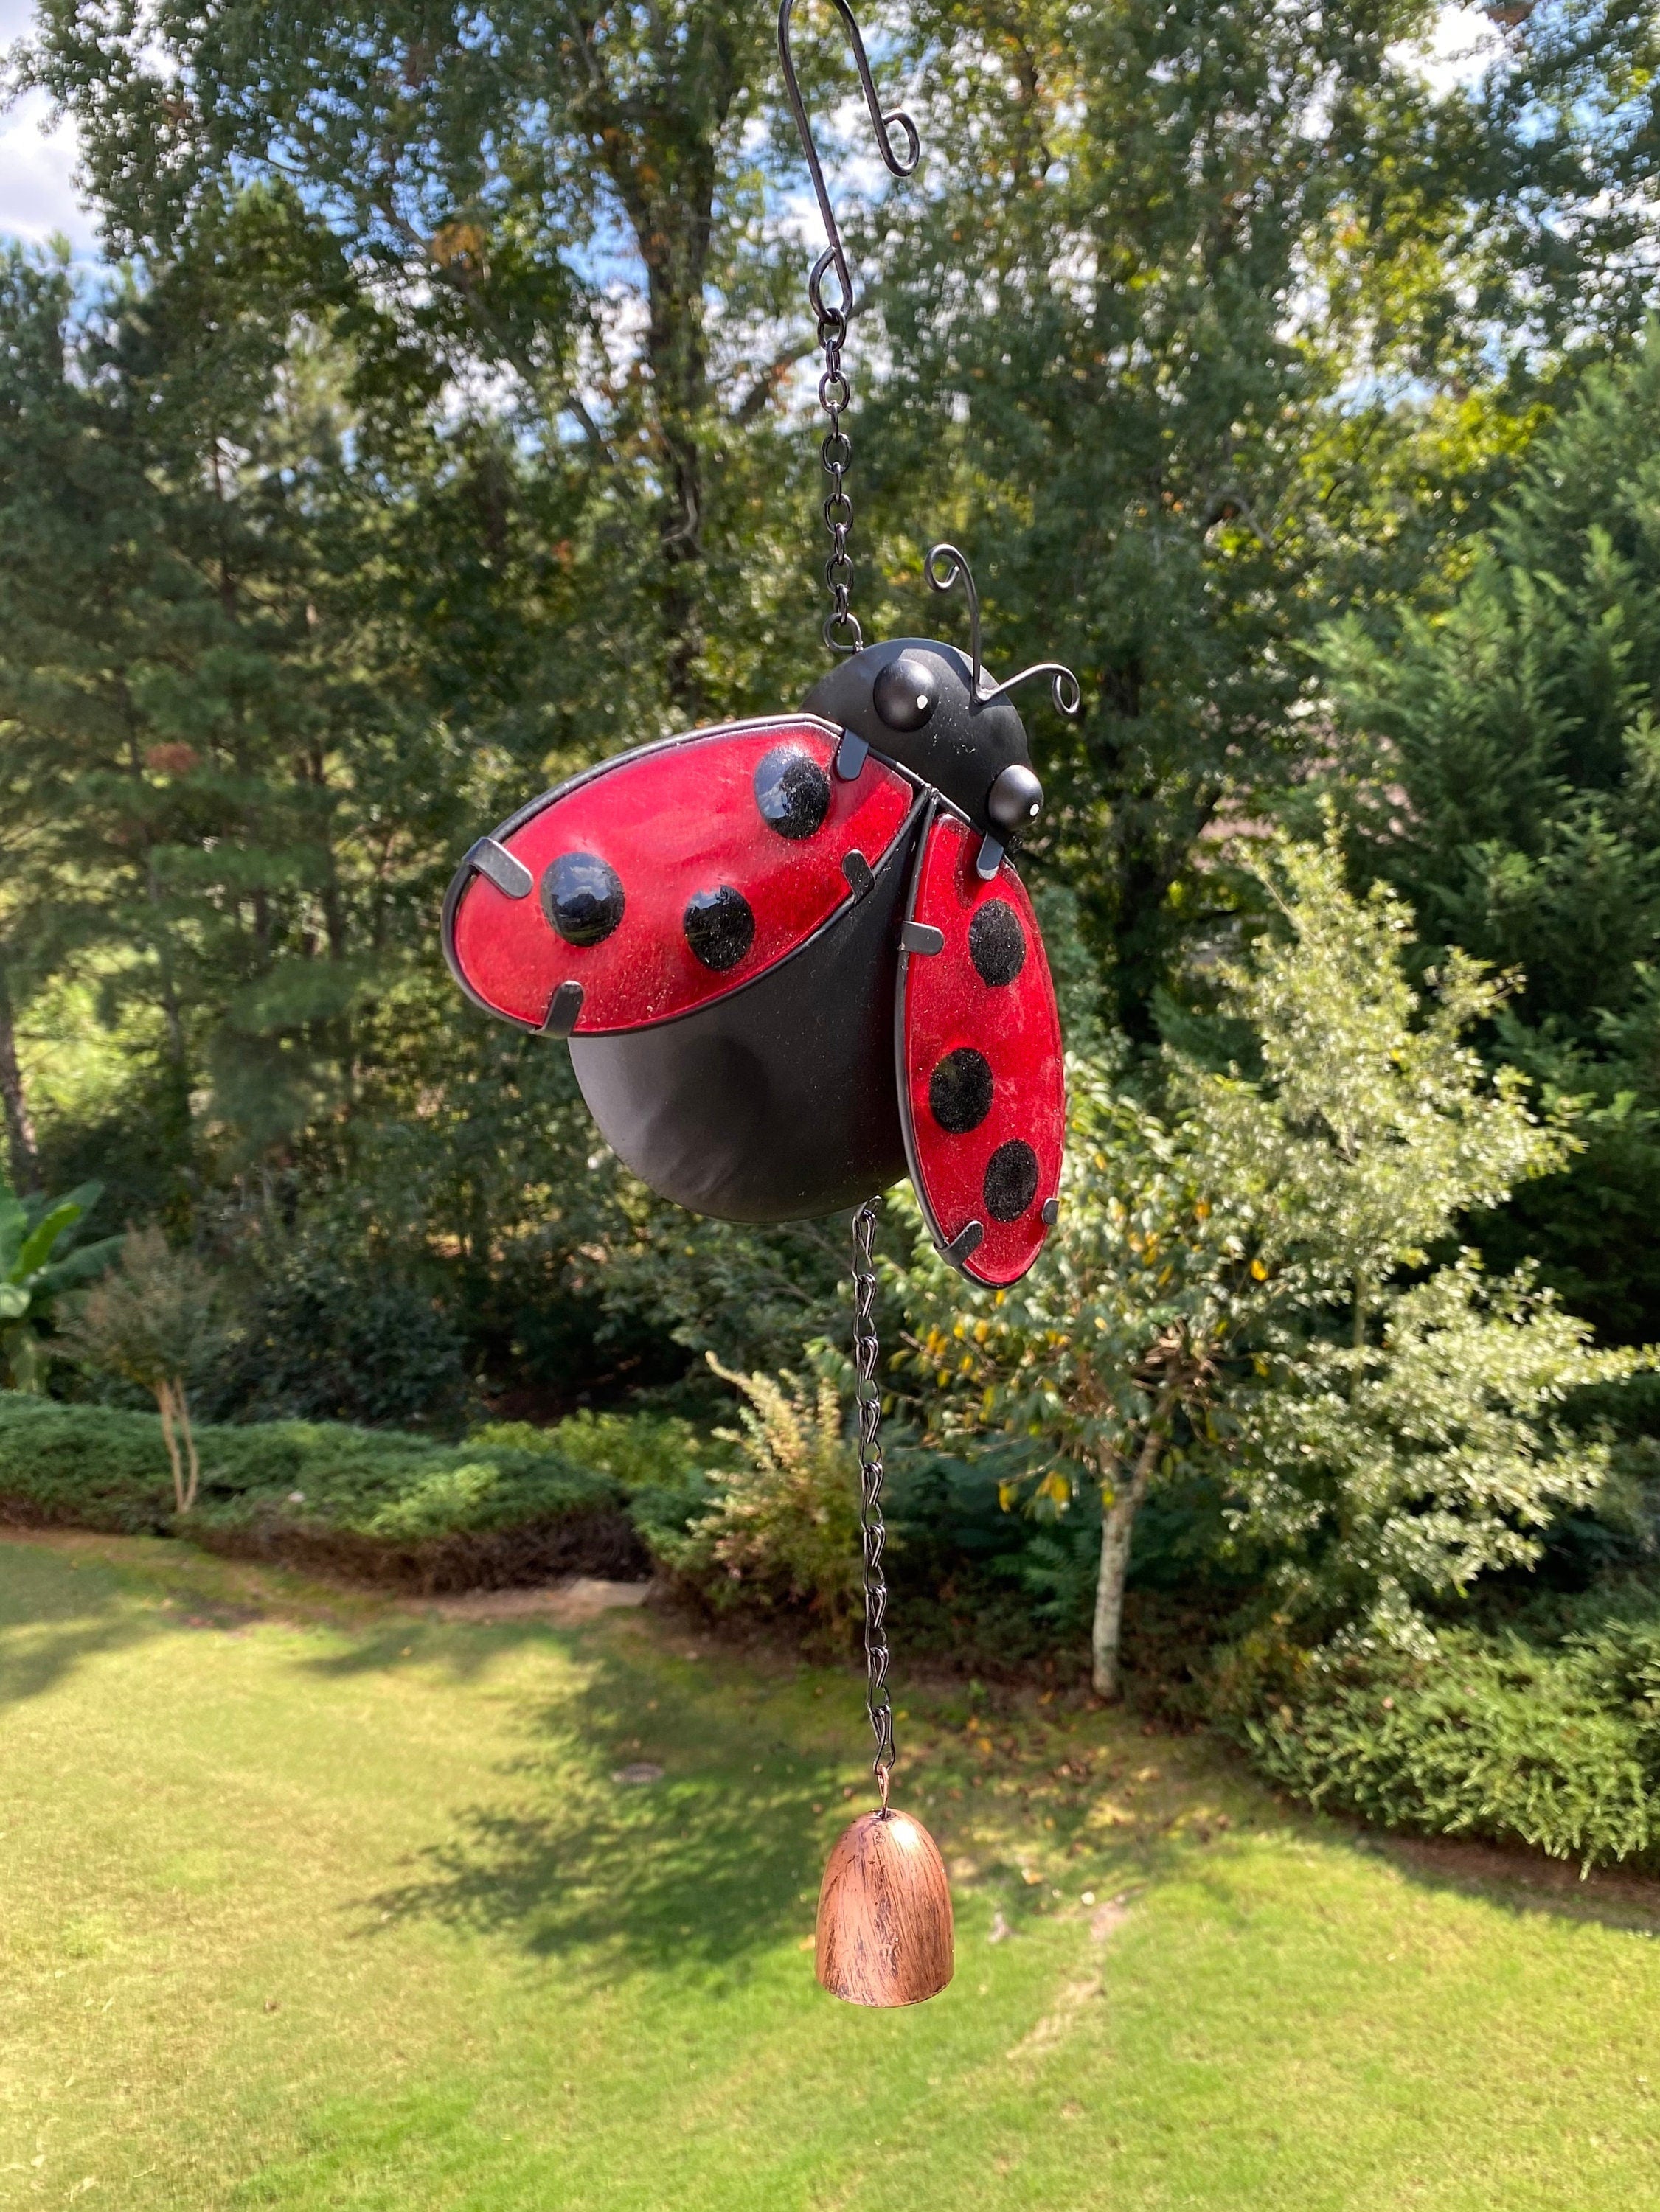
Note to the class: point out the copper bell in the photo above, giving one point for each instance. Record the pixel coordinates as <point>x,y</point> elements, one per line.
<point>885,1928</point>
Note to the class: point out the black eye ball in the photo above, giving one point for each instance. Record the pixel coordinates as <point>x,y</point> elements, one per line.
<point>582,897</point>
<point>1015,800</point>
<point>792,792</point>
<point>905,693</point>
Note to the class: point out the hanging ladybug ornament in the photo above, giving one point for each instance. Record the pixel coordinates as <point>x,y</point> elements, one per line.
<point>793,962</point>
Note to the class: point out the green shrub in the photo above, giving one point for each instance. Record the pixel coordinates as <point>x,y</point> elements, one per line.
<point>658,1459</point>
<point>1555,1745</point>
<point>82,1466</point>
<point>782,1531</point>
<point>322,1340</point>
<point>383,1507</point>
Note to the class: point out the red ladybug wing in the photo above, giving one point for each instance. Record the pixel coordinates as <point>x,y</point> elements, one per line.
<point>668,876</point>
<point>981,1085</point>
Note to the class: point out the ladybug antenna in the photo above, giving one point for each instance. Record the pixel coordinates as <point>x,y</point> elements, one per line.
<point>945,566</point>
<point>899,164</point>
<point>1065,691</point>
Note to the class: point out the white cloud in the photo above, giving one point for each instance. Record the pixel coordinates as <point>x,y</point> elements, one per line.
<point>1458,50</point>
<point>37,163</point>
<point>37,187</point>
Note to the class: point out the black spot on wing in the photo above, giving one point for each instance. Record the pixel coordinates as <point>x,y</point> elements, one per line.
<point>960,1090</point>
<point>997,943</point>
<point>792,792</point>
<point>1011,1181</point>
<point>582,897</point>
<point>720,926</point>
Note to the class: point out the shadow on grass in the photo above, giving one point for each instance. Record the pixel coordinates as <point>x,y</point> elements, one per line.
<point>466,1650</point>
<point>717,1862</point>
<point>30,1669</point>
<point>54,1616</point>
<point>714,1862</point>
<point>1520,1881</point>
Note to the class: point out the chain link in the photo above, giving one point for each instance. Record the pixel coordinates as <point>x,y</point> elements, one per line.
<point>870,1474</point>
<point>842,630</point>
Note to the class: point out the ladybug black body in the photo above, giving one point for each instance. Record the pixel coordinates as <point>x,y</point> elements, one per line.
<point>792,958</point>
<point>923,706</point>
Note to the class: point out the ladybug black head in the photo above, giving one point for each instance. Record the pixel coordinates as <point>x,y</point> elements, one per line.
<point>926,706</point>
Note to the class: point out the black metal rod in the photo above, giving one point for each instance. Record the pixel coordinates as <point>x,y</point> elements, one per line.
<point>835,254</point>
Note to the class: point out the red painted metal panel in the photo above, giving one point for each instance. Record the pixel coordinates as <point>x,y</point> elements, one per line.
<point>676,825</point>
<point>981,1081</point>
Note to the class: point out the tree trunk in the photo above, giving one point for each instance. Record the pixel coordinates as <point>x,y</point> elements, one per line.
<point>164,1403</point>
<point>674,241</point>
<point>1117,1526</point>
<point>662,158</point>
<point>20,1129</point>
<point>193,1478</point>
<point>1116,1523</point>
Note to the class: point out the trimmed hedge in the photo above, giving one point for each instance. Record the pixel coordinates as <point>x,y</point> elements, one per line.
<point>371,1503</point>
<point>1554,1744</point>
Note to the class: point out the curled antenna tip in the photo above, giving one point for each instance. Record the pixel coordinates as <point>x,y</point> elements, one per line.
<point>945,566</point>
<point>1064,688</point>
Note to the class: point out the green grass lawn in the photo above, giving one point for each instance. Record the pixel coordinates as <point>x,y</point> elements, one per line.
<point>313,1901</point>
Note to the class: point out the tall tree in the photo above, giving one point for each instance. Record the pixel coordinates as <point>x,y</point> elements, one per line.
<point>443,435</point>
<point>1170,257</point>
<point>552,198</point>
<point>1502,764</point>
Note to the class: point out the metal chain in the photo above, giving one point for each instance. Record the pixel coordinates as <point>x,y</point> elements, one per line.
<point>870,1474</point>
<point>842,630</point>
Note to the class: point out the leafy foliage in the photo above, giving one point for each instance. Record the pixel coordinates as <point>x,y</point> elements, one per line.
<point>1501,766</point>
<point>1367,1125</point>
<point>156,1320</point>
<point>327,1338</point>
<point>155,1317</point>
<point>37,1266</point>
<point>1401,1430</point>
<point>1099,1356</point>
<point>441,434</point>
<point>383,1507</point>
<point>1180,263</point>
<point>1385,1476</point>
<point>1245,1282</point>
<point>1501,1737</point>
<point>658,1460</point>
<point>782,1527</point>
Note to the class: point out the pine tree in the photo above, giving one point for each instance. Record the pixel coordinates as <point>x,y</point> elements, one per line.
<point>1503,757</point>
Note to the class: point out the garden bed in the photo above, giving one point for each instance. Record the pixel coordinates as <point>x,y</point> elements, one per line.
<point>373,1505</point>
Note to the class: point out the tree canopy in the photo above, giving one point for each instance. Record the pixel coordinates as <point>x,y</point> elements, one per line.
<point>440,423</point>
